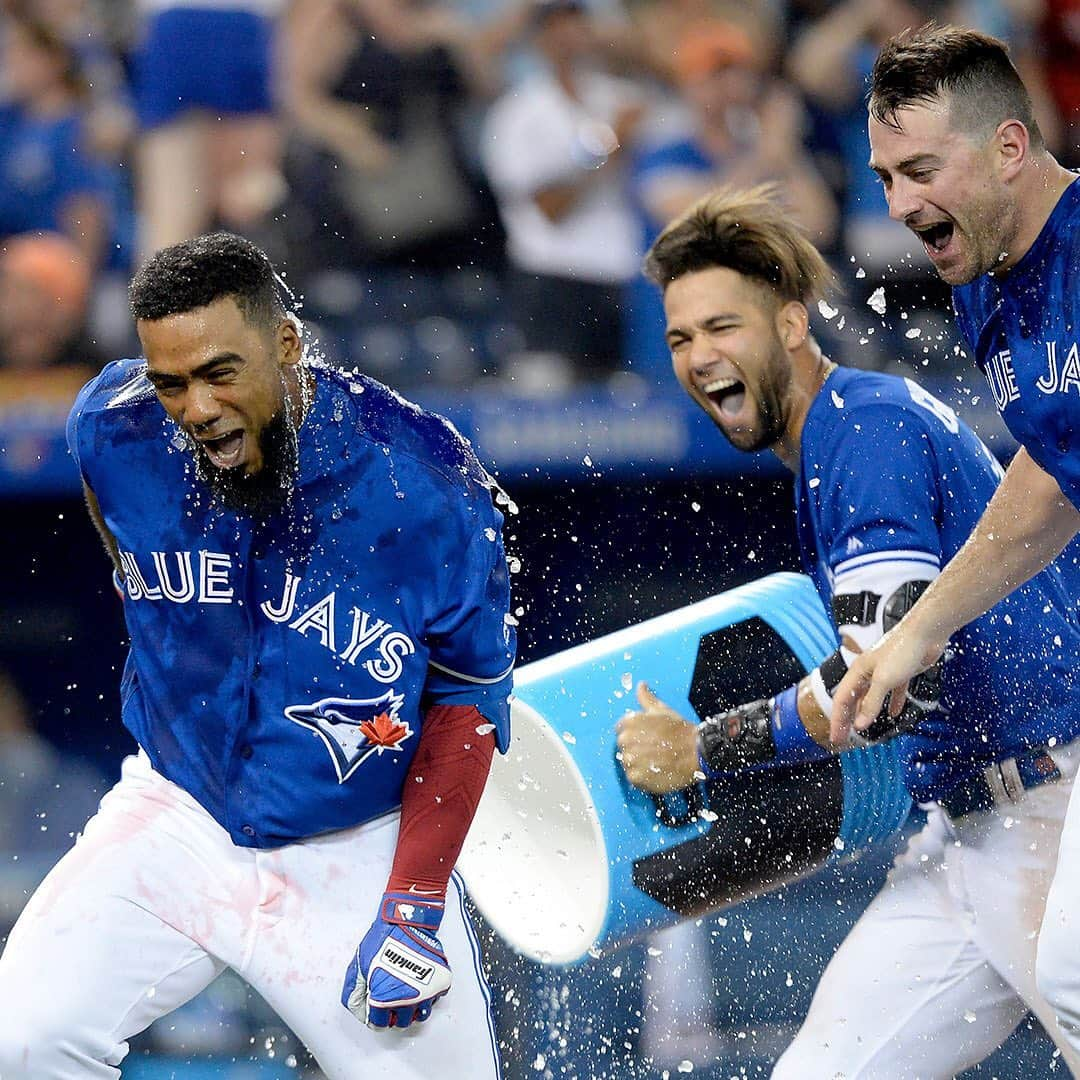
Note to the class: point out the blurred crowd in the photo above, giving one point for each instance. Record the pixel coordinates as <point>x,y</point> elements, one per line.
<point>456,190</point>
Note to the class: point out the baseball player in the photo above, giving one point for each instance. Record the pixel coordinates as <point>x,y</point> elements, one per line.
<point>888,484</point>
<point>963,165</point>
<point>316,593</point>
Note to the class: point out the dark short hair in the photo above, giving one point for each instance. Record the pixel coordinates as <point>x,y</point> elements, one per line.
<point>969,69</point>
<point>197,272</point>
<point>744,231</point>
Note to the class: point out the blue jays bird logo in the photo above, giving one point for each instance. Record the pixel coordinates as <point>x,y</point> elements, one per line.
<point>354,729</point>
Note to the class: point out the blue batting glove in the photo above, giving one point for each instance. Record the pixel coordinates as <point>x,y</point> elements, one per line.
<point>400,970</point>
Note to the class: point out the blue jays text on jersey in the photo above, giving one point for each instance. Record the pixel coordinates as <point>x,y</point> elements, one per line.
<point>1024,328</point>
<point>279,668</point>
<point>890,474</point>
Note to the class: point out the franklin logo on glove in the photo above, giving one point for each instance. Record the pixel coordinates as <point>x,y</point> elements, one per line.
<point>400,969</point>
<point>392,958</point>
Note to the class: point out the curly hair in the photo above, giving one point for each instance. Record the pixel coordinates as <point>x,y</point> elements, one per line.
<point>197,272</point>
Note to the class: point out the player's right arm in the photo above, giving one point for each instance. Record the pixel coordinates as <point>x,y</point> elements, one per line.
<point>1024,528</point>
<point>399,970</point>
<point>107,538</point>
<point>112,378</point>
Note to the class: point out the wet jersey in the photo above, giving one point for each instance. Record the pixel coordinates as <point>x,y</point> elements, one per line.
<point>280,664</point>
<point>1024,330</point>
<point>890,474</point>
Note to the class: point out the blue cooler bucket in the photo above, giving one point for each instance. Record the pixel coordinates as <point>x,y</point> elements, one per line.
<point>564,857</point>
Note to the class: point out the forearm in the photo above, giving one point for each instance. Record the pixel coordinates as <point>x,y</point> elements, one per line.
<point>815,208</point>
<point>441,793</point>
<point>107,538</point>
<point>557,200</point>
<point>1024,527</point>
<point>342,129</point>
<point>85,225</point>
<point>775,731</point>
<point>820,62</point>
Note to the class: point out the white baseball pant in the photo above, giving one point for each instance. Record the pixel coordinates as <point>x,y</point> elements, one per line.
<point>155,900</point>
<point>940,968</point>
<point>1058,968</point>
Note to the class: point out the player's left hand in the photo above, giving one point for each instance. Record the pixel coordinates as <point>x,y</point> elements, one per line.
<point>658,749</point>
<point>400,970</point>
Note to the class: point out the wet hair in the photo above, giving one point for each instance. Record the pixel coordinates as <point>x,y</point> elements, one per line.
<point>969,71</point>
<point>745,231</point>
<point>197,272</point>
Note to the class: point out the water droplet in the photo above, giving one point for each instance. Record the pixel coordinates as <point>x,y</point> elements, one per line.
<point>877,300</point>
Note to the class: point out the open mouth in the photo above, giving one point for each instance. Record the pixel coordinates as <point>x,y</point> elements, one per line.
<point>226,451</point>
<point>728,395</point>
<point>935,237</point>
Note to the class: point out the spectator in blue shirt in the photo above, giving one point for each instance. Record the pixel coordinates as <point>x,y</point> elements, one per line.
<point>48,180</point>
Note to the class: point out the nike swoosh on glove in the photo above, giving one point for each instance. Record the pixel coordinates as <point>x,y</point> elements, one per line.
<point>400,970</point>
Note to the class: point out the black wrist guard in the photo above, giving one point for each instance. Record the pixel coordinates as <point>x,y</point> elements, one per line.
<point>922,699</point>
<point>924,690</point>
<point>733,740</point>
<point>861,609</point>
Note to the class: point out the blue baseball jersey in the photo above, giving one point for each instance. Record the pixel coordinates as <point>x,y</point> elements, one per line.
<point>890,474</point>
<point>280,666</point>
<point>1024,330</point>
